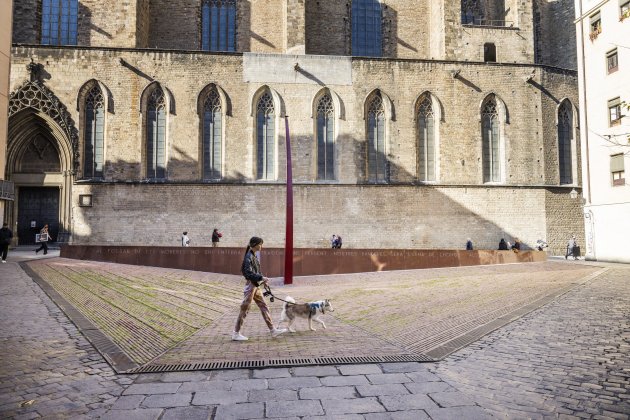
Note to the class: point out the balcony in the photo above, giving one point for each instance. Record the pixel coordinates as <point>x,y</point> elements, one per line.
<point>595,33</point>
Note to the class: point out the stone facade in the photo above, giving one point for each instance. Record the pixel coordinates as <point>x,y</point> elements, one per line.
<point>445,62</point>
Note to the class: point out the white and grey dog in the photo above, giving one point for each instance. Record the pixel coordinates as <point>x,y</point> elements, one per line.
<point>310,311</point>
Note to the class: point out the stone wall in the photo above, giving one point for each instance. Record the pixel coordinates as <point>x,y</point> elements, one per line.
<point>555,39</point>
<point>421,217</point>
<point>420,29</point>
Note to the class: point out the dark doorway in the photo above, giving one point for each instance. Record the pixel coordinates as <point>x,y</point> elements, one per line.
<point>40,205</point>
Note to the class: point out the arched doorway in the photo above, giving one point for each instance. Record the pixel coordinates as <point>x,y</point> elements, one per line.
<point>40,162</point>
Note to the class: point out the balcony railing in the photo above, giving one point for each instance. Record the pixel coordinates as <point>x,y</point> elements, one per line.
<point>7,190</point>
<point>488,22</point>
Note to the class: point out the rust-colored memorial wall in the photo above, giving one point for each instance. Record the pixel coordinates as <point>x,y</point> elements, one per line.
<point>306,262</point>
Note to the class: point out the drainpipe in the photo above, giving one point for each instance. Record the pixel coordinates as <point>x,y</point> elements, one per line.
<point>585,130</point>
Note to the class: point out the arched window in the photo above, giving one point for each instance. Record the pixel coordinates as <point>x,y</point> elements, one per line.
<point>325,138</point>
<point>491,141</point>
<point>377,159</point>
<point>94,133</point>
<point>156,134</point>
<point>265,137</point>
<point>59,22</point>
<point>366,28</point>
<point>218,25</point>
<point>426,140</point>
<point>212,136</point>
<point>472,12</point>
<point>565,140</point>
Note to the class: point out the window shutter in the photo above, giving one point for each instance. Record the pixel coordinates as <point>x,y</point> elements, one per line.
<point>616,163</point>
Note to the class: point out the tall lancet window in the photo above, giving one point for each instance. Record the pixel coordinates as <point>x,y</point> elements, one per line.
<point>565,141</point>
<point>325,138</point>
<point>491,142</point>
<point>59,22</point>
<point>472,12</point>
<point>218,25</point>
<point>426,140</point>
<point>156,135</point>
<point>94,134</point>
<point>366,28</point>
<point>377,159</point>
<point>265,137</point>
<point>212,136</point>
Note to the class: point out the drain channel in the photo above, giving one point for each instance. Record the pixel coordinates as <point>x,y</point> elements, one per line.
<point>248,364</point>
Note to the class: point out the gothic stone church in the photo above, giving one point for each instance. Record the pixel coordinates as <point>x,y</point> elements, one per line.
<point>413,123</point>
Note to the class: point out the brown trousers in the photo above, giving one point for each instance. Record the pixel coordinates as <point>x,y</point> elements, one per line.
<point>250,293</point>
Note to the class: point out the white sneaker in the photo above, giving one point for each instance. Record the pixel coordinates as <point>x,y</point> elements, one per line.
<point>277,331</point>
<point>237,336</point>
<point>3,261</point>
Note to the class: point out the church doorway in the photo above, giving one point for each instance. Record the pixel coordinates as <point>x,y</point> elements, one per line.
<point>37,207</point>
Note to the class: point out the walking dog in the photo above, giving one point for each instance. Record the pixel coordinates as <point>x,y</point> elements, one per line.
<point>310,311</point>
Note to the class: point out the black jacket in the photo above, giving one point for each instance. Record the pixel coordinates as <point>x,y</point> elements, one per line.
<point>251,268</point>
<point>5,236</point>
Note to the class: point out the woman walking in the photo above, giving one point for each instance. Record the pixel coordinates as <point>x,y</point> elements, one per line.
<point>251,272</point>
<point>43,240</point>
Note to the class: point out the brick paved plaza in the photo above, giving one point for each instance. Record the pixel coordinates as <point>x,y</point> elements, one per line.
<point>567,359</point>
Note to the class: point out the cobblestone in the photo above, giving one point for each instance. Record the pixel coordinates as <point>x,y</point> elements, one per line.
<point>568,359</point>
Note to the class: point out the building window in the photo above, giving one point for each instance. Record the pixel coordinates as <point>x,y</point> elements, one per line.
<point>377,158</point>
<point>94,134</point>
<point>472,12</point>
<point>366,28</point>
<point>59,22</point>
<point>565,142</point>
<point>595,26</point>
<point>156,135</point>
<point>612,61</point>
<point>614,112</point>
<point>218,25</point>
<point>489,52</point>
<point>212,136</point>
<point>491,142</point>
<point>265,134</point>
<point>624,9</point>
<point>325,138</point>
<point>426,140</point>
<point>617,170</point>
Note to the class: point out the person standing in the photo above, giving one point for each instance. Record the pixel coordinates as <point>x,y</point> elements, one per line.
<point>43,240</point>
<point>333,242</point>
<point>571,244</point>
<point>185,239</point>
<point>5,241</point>
<point>503,246</point>
<point>216,237</point>
<point>251,292</point>
<point>517,245</point>
<point>469,245</point>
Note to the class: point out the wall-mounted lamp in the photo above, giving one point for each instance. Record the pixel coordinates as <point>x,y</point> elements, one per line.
<point>573,194</point>
<point>455,73</point>
<point>85,200</point>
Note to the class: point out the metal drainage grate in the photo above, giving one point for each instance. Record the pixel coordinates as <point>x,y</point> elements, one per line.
<point>248,364</point>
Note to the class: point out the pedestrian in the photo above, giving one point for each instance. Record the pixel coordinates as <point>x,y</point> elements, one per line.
<point>5,241</point>
<point>252,273</point>
<point>503,246</point>
<point>469,245</point>
<point>517,245</point>
<point>216,236</point>
<point>571,248</point>
<point>185,239</point>
<point>339,242</point>
<point>333,241</point>
<point>43,240</point>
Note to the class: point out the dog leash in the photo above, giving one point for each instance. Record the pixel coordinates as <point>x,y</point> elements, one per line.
<point>272,297</point>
